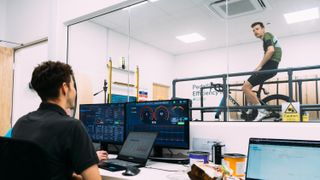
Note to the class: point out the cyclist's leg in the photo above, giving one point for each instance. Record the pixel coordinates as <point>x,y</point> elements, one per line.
<point>247,89</point>
<point>221,104</point>
<point>261,78</point>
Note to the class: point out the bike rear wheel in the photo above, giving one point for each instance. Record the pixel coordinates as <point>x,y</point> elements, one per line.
<point>275,99</point>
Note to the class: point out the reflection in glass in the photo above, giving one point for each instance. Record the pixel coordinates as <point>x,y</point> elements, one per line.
<point>151,35</point>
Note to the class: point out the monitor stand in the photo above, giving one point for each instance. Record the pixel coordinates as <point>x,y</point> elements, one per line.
<point>158,155</point>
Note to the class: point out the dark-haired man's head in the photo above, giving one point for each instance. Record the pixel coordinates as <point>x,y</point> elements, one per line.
<point>53,81</point>
<point>258,29</point>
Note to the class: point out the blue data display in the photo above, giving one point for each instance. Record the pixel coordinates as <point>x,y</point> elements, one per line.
<point>169,118</point>
<point>104,122</point>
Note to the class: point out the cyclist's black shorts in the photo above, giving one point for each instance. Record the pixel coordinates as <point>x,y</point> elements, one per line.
<point>256,78</point>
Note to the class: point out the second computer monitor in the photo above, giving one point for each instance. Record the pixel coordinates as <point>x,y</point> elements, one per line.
<point>105,123</point>
<point>170,118</point>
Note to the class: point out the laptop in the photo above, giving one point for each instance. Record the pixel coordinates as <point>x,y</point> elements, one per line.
<point>134,152</point>
<point>275,159</point>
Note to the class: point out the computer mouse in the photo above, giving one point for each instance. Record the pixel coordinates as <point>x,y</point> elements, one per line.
<point>131,171</point>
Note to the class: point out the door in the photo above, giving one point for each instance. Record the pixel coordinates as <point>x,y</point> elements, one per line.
<point>6,67</point>
<point>160,91</point>
<point>26,59</point>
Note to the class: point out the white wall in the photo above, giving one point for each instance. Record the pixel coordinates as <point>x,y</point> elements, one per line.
<point>63,11</point>
<point>91,46</point>
<point>155,66</point>
<point>87,56</point>
<point>27,20</point>
<point>3,14</point>
<point>235,135</point>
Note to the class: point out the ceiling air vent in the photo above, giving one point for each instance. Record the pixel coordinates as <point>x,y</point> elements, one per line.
<point>237,8</point>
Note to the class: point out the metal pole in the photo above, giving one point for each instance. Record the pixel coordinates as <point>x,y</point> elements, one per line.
<point>296,89</point>
<point>317,95</point>
<point>201,102</point>
<point>290,84</point>
<point>225,94</point>
<point>277,90</point>
<point>110,81</point>
<point>174,88</point>
<point>300,98</point>
<point>137,83</point>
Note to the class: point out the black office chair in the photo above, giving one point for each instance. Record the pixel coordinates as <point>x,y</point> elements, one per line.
<point>20,159</point>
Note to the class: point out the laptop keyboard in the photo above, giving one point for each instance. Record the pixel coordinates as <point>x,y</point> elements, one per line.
<point>121,162</point>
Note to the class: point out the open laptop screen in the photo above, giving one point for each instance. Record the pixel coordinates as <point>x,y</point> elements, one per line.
<point>275,159</point>
<point>138,145</point>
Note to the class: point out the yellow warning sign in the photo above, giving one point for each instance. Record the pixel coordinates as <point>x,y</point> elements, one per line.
<point>291,111</point>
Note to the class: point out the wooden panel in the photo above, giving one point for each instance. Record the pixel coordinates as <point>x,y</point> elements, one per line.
<point>309,95</point>
<point>160,92</point>
<point>6,70</point>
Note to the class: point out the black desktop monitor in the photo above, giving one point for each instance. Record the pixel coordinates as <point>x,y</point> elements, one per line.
<point>170,118</point>
<point>105,123</point>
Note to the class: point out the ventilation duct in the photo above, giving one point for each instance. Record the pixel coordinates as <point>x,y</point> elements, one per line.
<point>237,8</point>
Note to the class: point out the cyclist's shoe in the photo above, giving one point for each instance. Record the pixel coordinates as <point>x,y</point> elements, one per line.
<point>261,115</point>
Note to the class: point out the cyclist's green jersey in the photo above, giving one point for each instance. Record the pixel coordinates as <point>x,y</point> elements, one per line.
<point>271,40</point>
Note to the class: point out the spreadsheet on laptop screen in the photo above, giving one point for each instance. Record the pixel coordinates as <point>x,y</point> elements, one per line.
<point>273,162</point>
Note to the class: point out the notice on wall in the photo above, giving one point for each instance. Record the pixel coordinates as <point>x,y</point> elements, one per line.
<point>291,111</point>
<point>192,90</point>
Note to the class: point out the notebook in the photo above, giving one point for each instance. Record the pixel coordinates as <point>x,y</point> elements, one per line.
<point>275,159</point>
<point>134,152</point>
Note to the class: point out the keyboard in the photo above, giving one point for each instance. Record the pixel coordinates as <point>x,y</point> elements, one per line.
<point>121,162</point>
<point>115,165</point>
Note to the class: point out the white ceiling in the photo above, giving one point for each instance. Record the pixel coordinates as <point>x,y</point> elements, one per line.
<point>158,23</point>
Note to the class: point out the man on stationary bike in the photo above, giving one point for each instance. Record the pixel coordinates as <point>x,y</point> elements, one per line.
<point>270,60</point>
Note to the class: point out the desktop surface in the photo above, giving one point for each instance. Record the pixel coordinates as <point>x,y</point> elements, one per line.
<point>153,170</point>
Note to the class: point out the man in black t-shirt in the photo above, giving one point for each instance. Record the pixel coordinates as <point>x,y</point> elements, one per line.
<point>71,152</point>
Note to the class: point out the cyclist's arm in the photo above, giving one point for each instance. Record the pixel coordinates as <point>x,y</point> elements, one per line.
<point>266,57</point>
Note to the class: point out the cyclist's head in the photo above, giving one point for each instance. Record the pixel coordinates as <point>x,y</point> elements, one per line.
<point>258,29</point>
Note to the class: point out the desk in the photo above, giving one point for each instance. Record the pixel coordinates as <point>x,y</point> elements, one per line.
<point>149,173</point>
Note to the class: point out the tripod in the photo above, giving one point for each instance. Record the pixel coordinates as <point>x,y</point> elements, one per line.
<point>104,89</point>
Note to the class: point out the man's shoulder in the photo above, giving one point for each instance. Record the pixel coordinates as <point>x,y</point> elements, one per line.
<point>70,121</point>
<point>268,35</point>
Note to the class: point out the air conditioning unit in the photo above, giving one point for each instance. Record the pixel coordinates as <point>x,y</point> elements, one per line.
<point>236,8</point>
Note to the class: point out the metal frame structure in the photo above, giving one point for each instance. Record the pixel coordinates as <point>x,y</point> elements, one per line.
<point>290,81</point>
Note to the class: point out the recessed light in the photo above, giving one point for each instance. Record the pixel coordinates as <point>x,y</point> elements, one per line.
<point>300,16</point>
<point>153,0</point>
<point>190,38</point>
